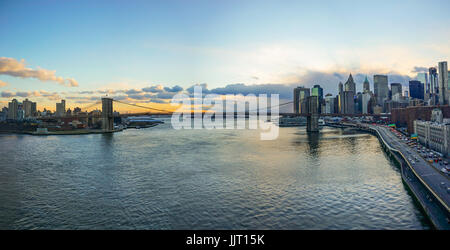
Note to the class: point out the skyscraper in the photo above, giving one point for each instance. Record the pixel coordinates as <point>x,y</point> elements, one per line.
<point>350,84</point>
<point>366,86</point>
<point>416,89</point>
<point>300,95</point>
<point>61,108</point>
<point>318,91</point>
<point>434,86</point>
<point>340,98</point>
<point>443,83</point>
<point>13,108</point>
<point>348,102</point>
<point>423,78</point>
<point>329,104</point>
<point>381,88</point>
<point>29,107</point>
<point>396,88</point>
<point>365,102</point>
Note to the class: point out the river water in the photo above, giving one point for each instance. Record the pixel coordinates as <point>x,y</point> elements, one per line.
<point>161,178</point>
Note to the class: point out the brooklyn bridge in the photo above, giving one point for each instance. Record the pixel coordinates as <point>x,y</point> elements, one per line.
<point>108,114</point>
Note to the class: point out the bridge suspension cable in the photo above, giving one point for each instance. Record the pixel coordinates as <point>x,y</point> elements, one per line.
<point>170,111</point>
<point>279,105</point>
<point>91,105</point>
<point>139,106</point>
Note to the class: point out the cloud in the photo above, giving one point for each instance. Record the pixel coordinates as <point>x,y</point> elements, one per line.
<point>23,94</point>
<point>173,89</point>
<point>12,67</point>
<point>7,94</point>
<point>132,92</point>
<point>417,69</point>
<point>3,84</point>
<point>154,89</point>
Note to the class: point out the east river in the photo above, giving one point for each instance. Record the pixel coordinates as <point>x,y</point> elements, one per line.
<point>161,178</point>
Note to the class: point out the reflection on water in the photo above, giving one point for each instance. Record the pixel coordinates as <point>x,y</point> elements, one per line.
<point>160,178</point>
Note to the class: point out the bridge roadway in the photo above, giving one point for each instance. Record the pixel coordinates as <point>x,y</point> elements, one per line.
<point>436,182</point>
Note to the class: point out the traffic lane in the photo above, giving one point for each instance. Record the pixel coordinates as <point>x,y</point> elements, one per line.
<point>423,169</point>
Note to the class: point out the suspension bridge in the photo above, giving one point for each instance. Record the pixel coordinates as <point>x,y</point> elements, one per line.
<point>107,112</point>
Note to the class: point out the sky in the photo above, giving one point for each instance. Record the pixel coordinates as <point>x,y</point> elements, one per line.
<point>147,51</point>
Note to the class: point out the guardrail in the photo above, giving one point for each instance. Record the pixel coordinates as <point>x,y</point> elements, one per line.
<point>414,171</point>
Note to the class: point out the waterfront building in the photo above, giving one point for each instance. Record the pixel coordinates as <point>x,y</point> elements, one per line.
<point>29,107</point>
<point>381,88</point>
<point>300,95</point>
<point>4,114</point>
<point>13,108</point>
<point>366,86</point>
<point>416,89</point>
<point>434,134</point>
<point>443,83</point>
<point>61,108</point>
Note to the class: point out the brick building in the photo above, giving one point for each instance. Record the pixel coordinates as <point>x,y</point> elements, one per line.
<point>404,117</point>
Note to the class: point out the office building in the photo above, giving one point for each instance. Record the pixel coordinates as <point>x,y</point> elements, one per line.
<point>366,86</point>
<point>435,134</point>
<point>330,104</point>
<point>13,109</point>
<point>318,91</point>
<point>350,84</point>
<point>29,107</point>
<point>366,102</point>
<point>423,78</point>
<point>433,78</point>
<point>300,95</point>
<point>396,89</point>
<point>61,108</point>
<point>381,88</point>
<point>443,83</point>
<point>416,89</point>
<point>348,102</point>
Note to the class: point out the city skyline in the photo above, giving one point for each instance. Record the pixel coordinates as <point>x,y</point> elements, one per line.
<point>143,59</point>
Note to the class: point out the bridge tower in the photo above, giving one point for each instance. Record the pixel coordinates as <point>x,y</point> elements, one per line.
<point>312,121</point>
<point>107,114</point>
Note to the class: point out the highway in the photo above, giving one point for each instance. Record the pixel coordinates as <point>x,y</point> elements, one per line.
<point>436,182</point>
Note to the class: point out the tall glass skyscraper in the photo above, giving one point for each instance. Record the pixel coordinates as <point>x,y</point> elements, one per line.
<point>318,91</point>
<point>423,78</point>
<point>416,89</point>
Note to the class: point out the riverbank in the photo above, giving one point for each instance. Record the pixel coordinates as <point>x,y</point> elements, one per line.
<point>64,132</point>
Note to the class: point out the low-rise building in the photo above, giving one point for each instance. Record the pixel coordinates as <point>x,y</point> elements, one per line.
<point>434,134</point>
